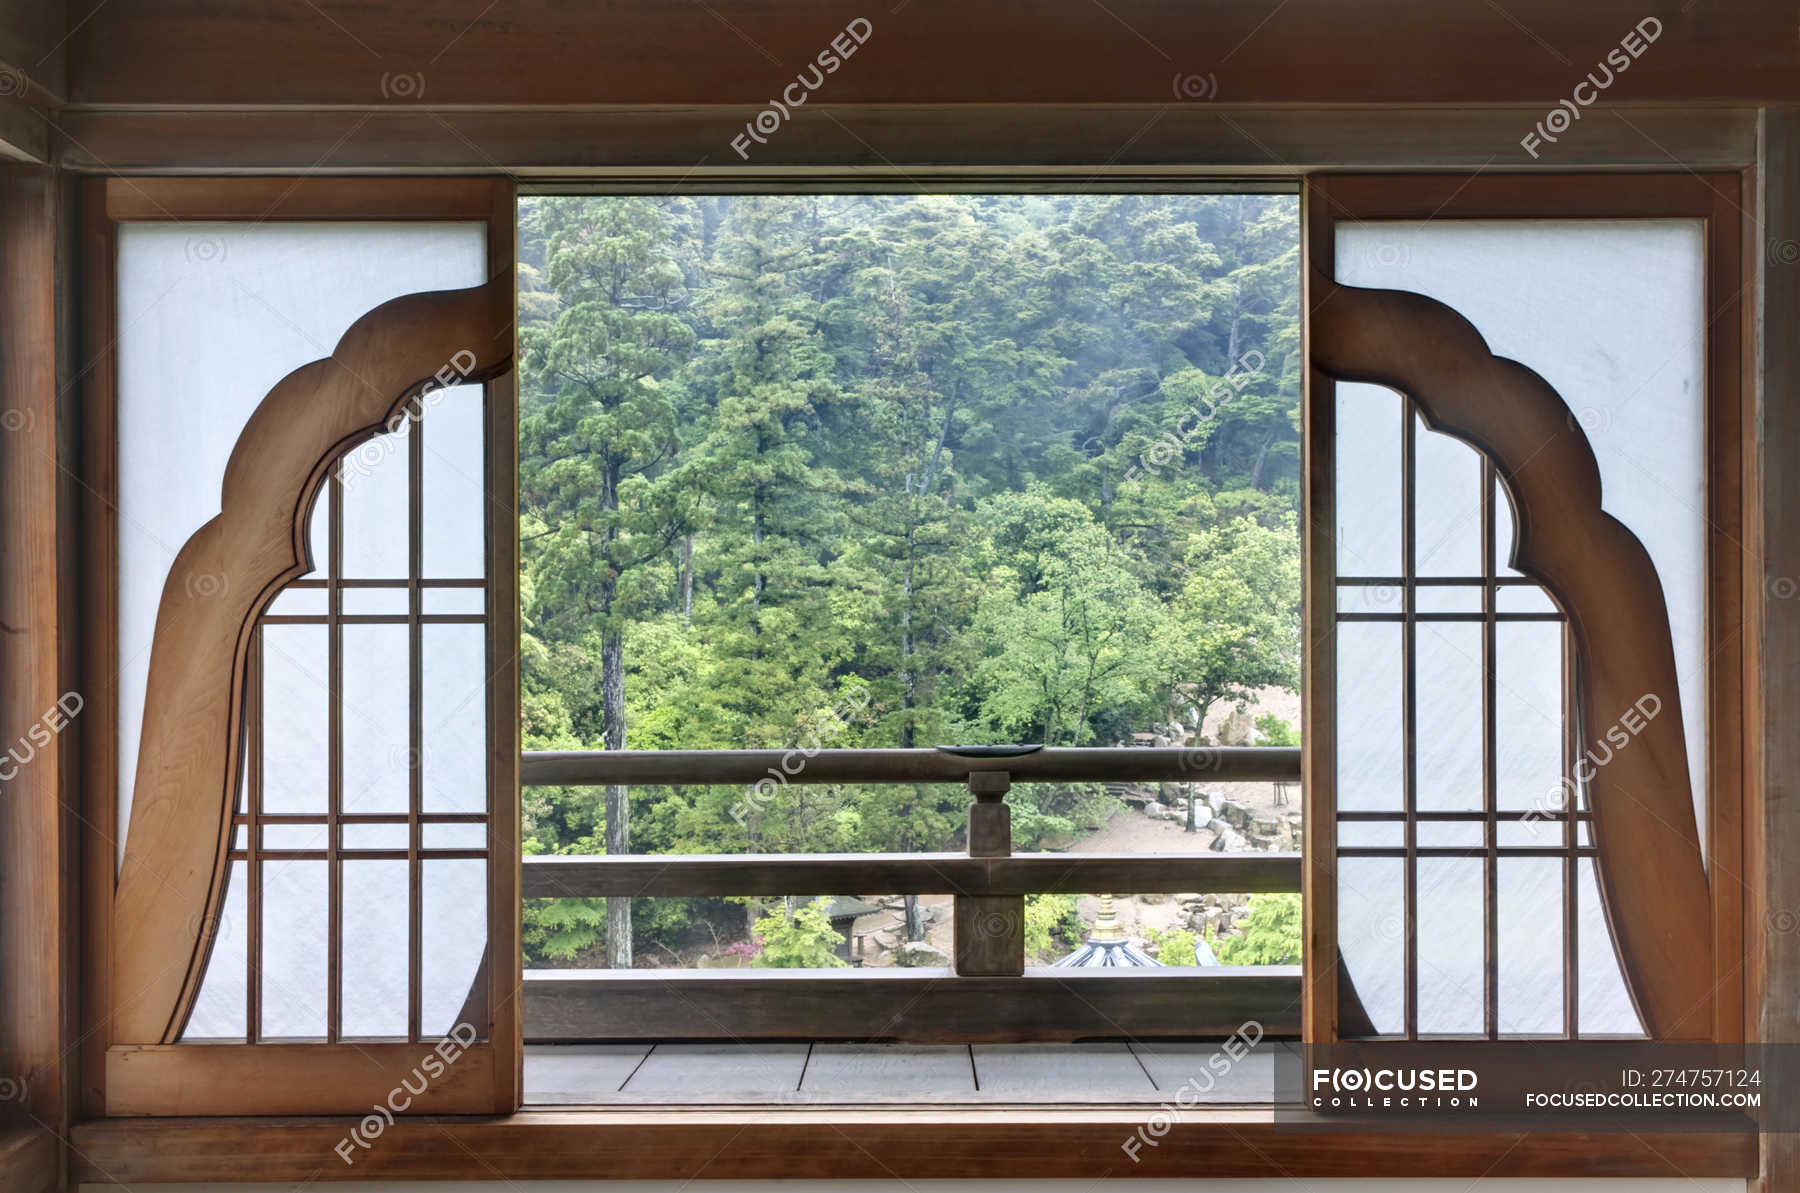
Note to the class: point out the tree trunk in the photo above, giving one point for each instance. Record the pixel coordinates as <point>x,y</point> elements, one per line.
<point>618,804</point>
<point>1262,455</point>
<point>687,579</point>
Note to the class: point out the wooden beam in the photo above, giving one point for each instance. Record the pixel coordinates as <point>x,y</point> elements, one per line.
<point>846,1144</point>
<point>1772,818</point>
<point>551,876</point>
<point>36,706</point>
<point>922,1006</point>
<point>34,50</point>
<point>892,145</point>
<point>308,198</point>
<point>929,51</point>
<point>1214,764</point>
<point>24,131</point>
<point>301,1078</point>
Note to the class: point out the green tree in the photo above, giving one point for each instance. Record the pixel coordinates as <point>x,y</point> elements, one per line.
<point>1234,624</point>
<point>1053,926</point>
<point>1172,946</point>
<point>600,446</point>
<point>1271,936</point>
<point>803,940</point>
<point>1067,626</point>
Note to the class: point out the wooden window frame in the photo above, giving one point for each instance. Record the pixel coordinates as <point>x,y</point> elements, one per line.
<point>816,1142</point>
<point>1716,908</point>
<point>148,1075</point>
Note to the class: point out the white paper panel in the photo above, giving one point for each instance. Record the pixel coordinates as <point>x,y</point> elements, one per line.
<point>453,489</point>
<point>1459,598</point>
<point>373,978</point>
<point>294,904</point>
<point>1449,834</point>
<point>220,1006</point>
<point>1612,314</point>
<point>1371,834</point>
<point>1450,946</point>
<point>454,910</point>
<point>454,836</point>
<point>210,317</point>
<point>295,717</point>
<point>1368,481</point>
<point>364,602</point>
<point>1372,936</point>
<point>1605,1006</point>
<point>1370,752</point>
<point>454,703</point>
<point>1446,505</point>
<point>375,486</point>
<point>377,681</point>
<point>453,600</point>
<point>1371,598</point>
<point>298,602</point>
<point>1528,716</point>
<point>1529,936</point>
<point>1447,670</point>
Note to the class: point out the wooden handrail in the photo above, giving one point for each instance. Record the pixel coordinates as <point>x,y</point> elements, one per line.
<point>924,1006</point>
<point>713,874</point>
<point>988,883</point>
<point>1224,764</point>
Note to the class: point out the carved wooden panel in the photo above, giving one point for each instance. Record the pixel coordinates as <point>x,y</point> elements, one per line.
<point>1653,881</point>
<point>171,883</point>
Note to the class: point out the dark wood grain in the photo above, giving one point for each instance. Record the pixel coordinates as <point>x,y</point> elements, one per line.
<point>845,1144</point>
<point>1772,814</point>
<point>914,1005</point>
<point>887,147</point>
<point>210,1079</point>
<point>562,876</point>
<point>196,52</point>
<point>1318,656</point>
<point>36,892</point>
<point>1200,764</point>
<point>988,938</point>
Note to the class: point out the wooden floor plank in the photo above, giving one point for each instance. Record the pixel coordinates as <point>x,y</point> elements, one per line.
<point>718,1073</point>
<point>1205,1073</point>
<point>888,1072</point>
<point>1059,1072</point>
<point>579,1074</point>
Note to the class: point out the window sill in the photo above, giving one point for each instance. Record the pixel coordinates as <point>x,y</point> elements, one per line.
<point>844,1143</point>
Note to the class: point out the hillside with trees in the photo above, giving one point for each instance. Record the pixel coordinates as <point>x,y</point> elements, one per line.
<point>865,471</point>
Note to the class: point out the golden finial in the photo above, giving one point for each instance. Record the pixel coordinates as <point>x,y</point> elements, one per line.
<point>1107,927</point>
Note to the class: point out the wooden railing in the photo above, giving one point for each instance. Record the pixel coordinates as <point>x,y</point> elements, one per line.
<point>990,994</point>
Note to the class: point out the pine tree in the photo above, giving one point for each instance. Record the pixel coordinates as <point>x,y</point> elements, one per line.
<point>600,448</point>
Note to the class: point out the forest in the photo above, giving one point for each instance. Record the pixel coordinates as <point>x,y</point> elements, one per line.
<point>889,470</point>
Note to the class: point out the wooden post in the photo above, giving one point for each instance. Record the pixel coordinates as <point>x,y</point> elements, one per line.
<point>989,929</point>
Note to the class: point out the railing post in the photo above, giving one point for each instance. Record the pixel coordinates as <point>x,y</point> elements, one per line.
<point>989,929</point>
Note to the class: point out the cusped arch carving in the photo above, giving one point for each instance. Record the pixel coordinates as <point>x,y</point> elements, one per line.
<point>171,884</point>
<point>1652,875</point>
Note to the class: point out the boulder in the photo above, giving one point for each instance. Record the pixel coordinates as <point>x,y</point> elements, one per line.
<point>916,954</point>
<point>1237,730</point>
<point>1229,841</point>
<point>1234,814</point>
